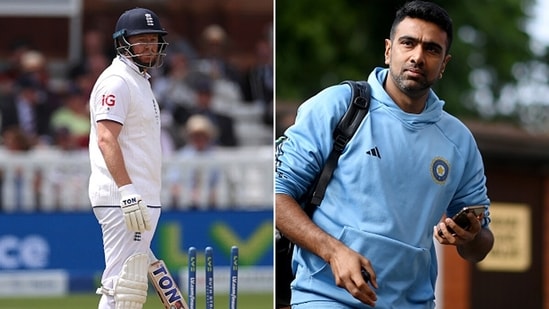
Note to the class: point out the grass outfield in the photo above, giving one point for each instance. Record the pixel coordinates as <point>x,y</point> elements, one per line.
<point>89,301</point>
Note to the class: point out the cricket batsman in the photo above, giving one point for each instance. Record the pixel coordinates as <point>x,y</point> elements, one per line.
<point>125,156</point>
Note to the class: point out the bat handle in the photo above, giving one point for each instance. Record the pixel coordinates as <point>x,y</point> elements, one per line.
<point>152,257</point>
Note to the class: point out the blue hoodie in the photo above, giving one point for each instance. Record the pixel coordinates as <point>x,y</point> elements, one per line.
<point>395,179</point>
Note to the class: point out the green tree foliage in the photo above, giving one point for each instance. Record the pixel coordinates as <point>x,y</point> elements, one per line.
<point>322,42</point>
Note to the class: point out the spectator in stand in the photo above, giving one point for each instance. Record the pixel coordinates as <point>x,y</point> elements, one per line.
<point>71,122</point>
<point>86,79</point>
<point>196,187</point>
<point>11,69</point>
<point>95,46</point>
<point>15,141</point>
<point>26,110</point>
<point>174,92</point>
<point>178,43</point>
<point>257,85</point>
<point>174,89</point>
<point>97,52</point>
<point>202,84</point>
<point>213,60</point>
<point>62,140</point>
<point>34,65</point>
<point>200,134</point>
<point>214,52</point>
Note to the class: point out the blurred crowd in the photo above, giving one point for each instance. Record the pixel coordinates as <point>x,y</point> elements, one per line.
<point>201,95</point>
<point>41,110</point>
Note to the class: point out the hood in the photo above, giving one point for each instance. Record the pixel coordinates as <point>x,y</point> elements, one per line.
<point>380,99</point>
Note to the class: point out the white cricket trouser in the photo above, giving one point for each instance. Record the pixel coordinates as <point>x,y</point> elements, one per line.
<point>119,244</point>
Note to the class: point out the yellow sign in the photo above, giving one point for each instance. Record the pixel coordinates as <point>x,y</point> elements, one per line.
<point>512,250</point>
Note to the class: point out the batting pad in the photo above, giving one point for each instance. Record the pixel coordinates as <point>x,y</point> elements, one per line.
<point>130,290</point>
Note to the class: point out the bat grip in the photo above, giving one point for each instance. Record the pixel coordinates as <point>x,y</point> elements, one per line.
<point>152,257</point>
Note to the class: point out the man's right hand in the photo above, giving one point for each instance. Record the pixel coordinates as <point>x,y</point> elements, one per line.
<point>135,210</point>
<point>348,268</point>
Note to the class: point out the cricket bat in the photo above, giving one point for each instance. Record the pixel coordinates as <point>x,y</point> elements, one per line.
<point>165,285</point>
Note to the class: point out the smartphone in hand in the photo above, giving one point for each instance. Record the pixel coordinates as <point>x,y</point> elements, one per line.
<point>461,217</point>
<point>365,275</point>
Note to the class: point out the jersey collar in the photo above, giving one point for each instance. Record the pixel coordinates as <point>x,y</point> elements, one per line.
<point>133,66</point>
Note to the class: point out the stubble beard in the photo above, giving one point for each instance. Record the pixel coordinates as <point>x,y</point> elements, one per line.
<point>149,64</point>
<point>411,87</point>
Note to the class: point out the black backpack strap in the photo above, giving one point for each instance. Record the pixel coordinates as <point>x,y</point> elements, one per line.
<point>344,131</point>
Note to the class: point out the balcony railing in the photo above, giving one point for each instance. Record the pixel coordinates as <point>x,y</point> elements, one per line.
<point>51,180</point>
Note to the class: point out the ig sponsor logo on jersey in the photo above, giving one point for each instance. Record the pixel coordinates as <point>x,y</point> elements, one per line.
<point>440,169</point>
<point>108,100</point>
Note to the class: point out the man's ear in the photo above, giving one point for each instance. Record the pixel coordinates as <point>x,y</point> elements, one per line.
<point>443,66</point>
<point>387,51</point>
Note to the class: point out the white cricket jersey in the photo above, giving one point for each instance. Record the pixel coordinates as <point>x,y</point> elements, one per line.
<point>124,95</point>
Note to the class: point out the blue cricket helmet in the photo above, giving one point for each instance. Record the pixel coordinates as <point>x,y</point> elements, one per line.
<point>138,21</point>
<point>135,22</point>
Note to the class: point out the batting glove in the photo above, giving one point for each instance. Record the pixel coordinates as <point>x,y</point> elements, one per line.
<point>135,211</point>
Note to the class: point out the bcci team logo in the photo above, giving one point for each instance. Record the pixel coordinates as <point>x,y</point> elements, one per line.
<point>439,170</point>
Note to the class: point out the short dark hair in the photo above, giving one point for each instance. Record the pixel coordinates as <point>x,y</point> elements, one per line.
<point>427,11</point>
